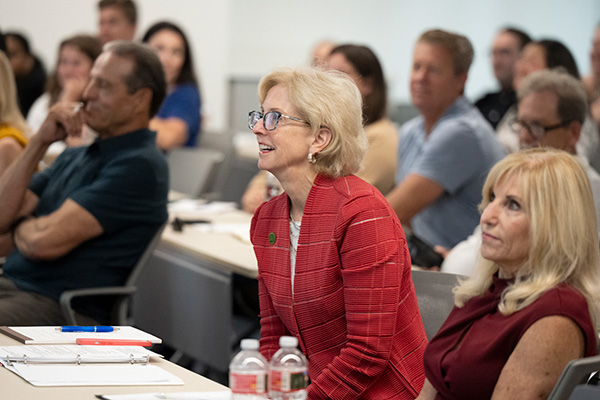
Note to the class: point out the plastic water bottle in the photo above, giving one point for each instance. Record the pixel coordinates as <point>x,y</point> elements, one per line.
<point>288,371</point>
<point>248,373</point>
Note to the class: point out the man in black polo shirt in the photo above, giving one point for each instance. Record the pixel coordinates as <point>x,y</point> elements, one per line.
<point>86,220</point>
<point>506,49</point>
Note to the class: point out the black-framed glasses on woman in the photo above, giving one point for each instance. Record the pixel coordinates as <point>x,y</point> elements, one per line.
<point>270,119</point>
<point>536,130</point>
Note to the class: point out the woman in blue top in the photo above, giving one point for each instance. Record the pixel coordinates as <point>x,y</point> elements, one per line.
<point>178,121</point>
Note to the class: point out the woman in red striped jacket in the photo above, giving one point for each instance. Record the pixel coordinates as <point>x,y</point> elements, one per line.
<point>334,268</point>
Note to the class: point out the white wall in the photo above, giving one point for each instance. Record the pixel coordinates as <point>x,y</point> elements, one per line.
<point>248,38</point>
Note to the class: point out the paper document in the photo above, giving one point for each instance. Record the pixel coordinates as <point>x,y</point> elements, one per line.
<point>73,365</point>
<point>52,335</point>
<point>95,375</point>
<point>199,206</point>
<point>221,395</point>
<point>240,231</point>
<point>69,353</point>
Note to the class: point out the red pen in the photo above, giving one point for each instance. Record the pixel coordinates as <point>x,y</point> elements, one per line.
<point>114,342</point>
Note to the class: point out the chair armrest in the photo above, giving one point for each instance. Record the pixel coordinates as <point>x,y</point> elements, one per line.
<point>67,296</point>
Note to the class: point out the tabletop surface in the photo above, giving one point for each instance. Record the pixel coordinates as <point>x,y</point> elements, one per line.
<point>14,387</point>
<point>225,242</point>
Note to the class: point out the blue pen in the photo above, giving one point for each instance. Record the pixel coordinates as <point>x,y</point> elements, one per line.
<point>86,328</point>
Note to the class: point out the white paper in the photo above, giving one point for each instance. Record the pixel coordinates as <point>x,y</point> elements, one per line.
<point>100,365</point>
<point>72,353</point>
<point>94,375</point>
<point>221,395</point>
<point>240,231</point>
<point>51,335</point>
<point>202,207</point>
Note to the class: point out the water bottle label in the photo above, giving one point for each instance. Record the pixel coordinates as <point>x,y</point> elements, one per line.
<point>288,381</point>
<point>248,383</point>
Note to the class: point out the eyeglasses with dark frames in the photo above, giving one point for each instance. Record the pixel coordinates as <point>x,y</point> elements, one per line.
<point>270,119</point>
<point>536,130</point>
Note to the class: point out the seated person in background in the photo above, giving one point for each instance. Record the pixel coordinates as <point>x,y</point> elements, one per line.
<point>117,20</point>
<point>536,56</point>
<point>552,108</point>
<point>334,269</point>
<point>179,120</point>
<point>76,56</point>
<point>29,71</point>
<point>13,128</point>
<point>446,151</point>
<point>85,221</point>
<point>2,42</point>
<point>14,131</point>
<point>592,82</point>
<point>320,52</point>
<point>378,166</point>
<point>532,304</point>
<point>506,48</point>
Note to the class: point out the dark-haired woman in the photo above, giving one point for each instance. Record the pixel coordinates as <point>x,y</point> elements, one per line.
<point>178,120</point>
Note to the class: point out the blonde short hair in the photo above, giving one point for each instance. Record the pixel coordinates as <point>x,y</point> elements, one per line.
<point>325,99</point>
<point>563,233</point>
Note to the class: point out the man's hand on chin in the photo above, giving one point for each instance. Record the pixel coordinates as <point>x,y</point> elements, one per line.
<point>64,119</point>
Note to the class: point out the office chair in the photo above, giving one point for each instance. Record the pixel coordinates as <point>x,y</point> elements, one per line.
<point>122,294</point>
<point>435,297</point>
<point>190,169</point>
<point>222,141</point>
<point>576,373</point>
<point>585,392</point>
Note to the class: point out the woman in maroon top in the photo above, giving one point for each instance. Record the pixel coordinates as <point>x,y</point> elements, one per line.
<point>532,303</point>
<point>334,269</point>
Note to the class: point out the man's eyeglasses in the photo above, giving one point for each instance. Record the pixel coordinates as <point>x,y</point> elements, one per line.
<point>536,130</point>
<point>270,119</point>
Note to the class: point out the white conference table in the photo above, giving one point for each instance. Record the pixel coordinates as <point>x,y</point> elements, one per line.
<point>221,246</point>
<point>185,292</point>
<point>13,386</point>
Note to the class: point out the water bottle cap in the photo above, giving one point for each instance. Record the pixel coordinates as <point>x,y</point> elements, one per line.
<point>288,341</point>
<point>249,344</point>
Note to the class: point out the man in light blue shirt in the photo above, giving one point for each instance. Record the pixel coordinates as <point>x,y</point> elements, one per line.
<point>446,152</point>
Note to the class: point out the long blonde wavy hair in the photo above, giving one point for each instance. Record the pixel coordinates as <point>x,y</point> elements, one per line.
<point>563,233</point>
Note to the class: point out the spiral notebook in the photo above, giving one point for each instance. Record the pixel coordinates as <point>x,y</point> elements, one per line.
<point>73,365</point>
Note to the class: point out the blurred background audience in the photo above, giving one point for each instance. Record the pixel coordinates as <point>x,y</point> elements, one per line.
<point>14,131</point>
<point>117,20</point>
<point>76,55</point>
<point>447,150</point>
<point>548,54</point>
<point>505,51</point>
<point>29,71</point>
<point>592,81</point>
<point>179,118</point>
